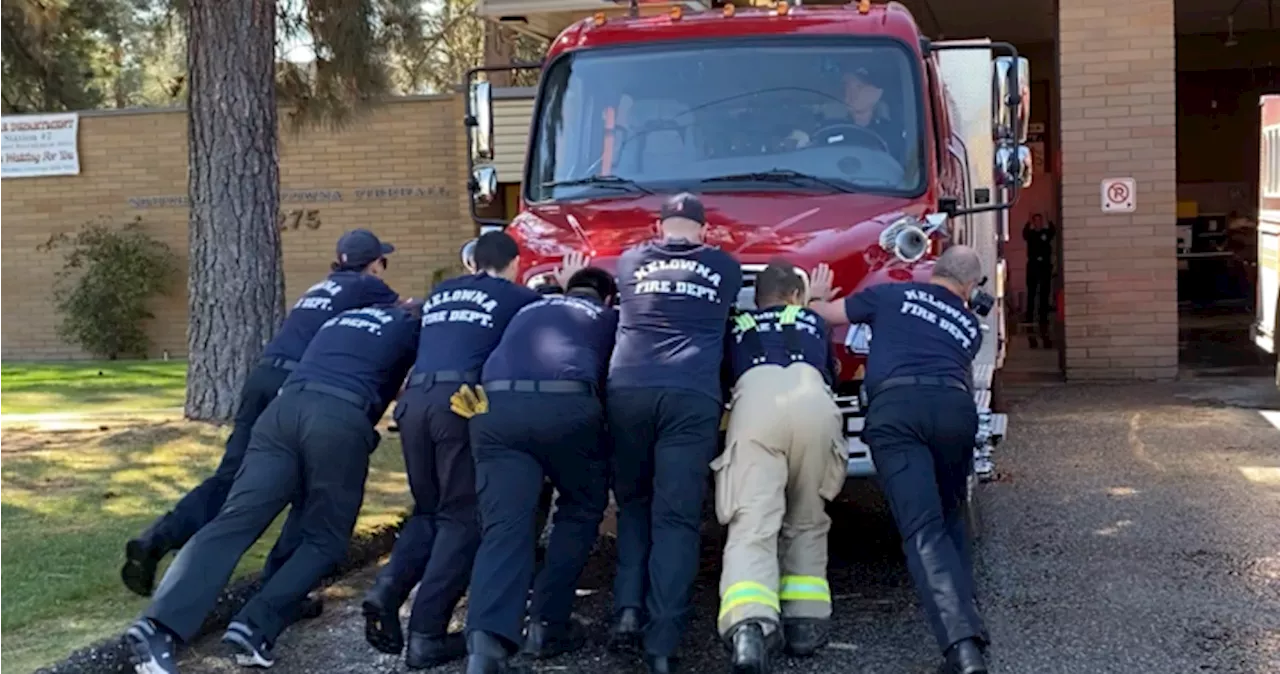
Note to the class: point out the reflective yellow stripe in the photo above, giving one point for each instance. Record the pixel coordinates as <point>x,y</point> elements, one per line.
<point>745,322</point>
<point>747,592</point>
<point>805,588</point>
<point>789,314</point>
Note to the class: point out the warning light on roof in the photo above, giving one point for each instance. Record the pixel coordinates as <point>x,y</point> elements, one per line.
<point>728,9</point>
<point>676,13</point>
<point>782,9</point>
<point>599,18</point>
<point>864,6</point>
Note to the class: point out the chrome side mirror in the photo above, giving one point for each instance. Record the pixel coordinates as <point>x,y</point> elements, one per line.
<point>1006,168</point>
<point>480,121</point>
<point>1023,116</point>
<point>1013,166</point>
<point>483,185</point>
<point>1010,98</point>
<point>935,222</point>
<point>468,255</point>
<point>1025,165</point>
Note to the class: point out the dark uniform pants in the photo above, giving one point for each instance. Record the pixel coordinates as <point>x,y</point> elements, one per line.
<point>200,505</point>
<point>1039,290</point>
<point>305,442</point>
<point>664,440</point>
<point>522,439</point>
<point>921,440</point>
<point>438,544</point>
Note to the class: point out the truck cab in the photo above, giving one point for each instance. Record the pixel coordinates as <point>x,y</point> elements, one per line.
<point>823,134</point>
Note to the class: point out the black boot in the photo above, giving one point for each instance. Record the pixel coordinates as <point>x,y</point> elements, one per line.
<point>804,636</point>
<point>659,664</point>
<point>426,651</point>
<point>750,652</point>
<point>487,654</point>
<point>544,640</point>
<point>627,631</point>
<point>964,657</point>
<point>382,618</point>
<point>141,557</point>
<point>311,607</point>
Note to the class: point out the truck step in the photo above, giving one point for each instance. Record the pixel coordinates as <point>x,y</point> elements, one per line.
<point>983,376</point>
<point>999,424</point>
<point>982,398</point>
<point>984,468</point>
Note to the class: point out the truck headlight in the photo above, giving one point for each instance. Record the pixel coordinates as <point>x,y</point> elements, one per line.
<point>538,280</point>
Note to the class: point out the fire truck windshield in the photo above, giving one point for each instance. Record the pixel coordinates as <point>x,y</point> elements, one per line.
<point>769,114</point>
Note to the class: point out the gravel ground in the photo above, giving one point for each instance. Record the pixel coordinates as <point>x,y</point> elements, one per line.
<point>1134,529</point>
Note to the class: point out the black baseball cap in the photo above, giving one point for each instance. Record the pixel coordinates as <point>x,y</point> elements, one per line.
<point>684,205</point>
<point>872,76</point>
<point>360,247</point>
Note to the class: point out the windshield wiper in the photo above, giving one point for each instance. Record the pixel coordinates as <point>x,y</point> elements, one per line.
<point>617,182</point>
<point>778,175</point>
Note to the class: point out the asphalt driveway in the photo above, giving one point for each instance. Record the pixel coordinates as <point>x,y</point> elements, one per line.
<point>1134,529</point>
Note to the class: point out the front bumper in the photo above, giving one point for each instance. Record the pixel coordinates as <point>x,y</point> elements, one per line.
<point>991,430</point>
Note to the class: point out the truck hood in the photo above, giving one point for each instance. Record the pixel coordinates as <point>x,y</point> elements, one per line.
<point>750,225</point>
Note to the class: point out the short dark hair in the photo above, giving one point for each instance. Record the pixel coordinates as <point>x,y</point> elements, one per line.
<point>338,266</point>
<point>494,251</point>
<point>594,279</point>
<point>777,282</point>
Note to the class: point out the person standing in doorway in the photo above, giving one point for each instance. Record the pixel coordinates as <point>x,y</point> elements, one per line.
<point>1039,236</point>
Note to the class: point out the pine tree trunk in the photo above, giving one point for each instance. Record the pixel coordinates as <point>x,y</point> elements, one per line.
<point>499,50</point>
<point>236,279</point>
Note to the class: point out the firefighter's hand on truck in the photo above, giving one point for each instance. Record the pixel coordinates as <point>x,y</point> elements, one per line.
<point>468,402</point>
<point>573,263</point>
<point>820,283</point>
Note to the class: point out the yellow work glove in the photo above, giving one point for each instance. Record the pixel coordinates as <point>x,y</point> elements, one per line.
<point>468,402</point>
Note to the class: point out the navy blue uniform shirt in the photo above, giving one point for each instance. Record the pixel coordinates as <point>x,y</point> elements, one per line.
<point>463,320</point>
<point>340,291</point>
<point>812,337</point>
<point>675,302</point>
<point>558,337</point>
<point>366,351</point>
<point>917,330</point>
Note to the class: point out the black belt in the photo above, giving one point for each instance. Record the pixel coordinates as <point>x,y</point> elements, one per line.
<point>279,363</point>
<point>538,386</point>
<point>444,376</point>
<point>332,391</point>
<point>895,382</point>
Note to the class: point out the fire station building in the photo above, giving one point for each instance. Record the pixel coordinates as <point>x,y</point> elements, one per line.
<point>1162,92</point>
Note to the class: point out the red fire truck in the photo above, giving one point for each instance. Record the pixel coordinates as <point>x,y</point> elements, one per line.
<point>834,134</point>
<point>1266,326</point>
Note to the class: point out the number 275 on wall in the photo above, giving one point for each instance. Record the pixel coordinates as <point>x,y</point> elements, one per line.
<point>299,218</point>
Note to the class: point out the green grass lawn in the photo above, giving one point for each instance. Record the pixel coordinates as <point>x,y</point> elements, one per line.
<point>70,498</point>
<point>92,386</point>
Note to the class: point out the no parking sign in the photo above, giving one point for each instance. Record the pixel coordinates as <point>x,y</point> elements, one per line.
<point>1119,195</point>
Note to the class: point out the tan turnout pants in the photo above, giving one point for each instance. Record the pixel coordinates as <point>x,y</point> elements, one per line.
<point>784,457</point>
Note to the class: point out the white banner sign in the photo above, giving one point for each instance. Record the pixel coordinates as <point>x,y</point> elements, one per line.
<point>40,145</point>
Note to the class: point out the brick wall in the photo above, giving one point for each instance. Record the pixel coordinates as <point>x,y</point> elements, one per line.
<point>399,171</point>
<point>1119,120</point>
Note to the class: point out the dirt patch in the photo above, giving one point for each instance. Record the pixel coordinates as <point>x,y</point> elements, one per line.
<point>147,435</point>
<point>25,440</point>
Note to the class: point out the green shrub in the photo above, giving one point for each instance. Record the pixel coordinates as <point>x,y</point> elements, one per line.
<point>107,278</point>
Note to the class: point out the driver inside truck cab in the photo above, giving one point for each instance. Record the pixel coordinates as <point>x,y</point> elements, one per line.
<point>864,107</point>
